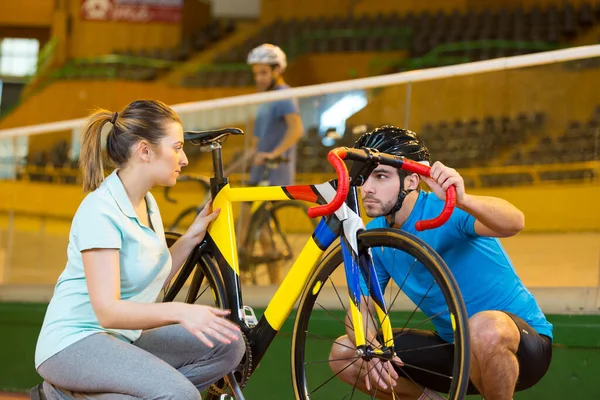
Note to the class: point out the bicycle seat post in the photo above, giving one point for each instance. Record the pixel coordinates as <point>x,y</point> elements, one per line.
<point>212,140</point>
<point>218,180</point>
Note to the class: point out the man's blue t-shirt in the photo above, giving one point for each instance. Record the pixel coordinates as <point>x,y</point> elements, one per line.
<point>481,267</point>
<point>270,128</point>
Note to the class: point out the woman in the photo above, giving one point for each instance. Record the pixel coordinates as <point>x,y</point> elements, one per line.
<point>103,334</point>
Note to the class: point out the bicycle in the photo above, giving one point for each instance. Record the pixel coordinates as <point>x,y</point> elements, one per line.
<point>215,262</point>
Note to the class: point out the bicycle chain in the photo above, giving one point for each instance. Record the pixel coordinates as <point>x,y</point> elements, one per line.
<point>244,368</point>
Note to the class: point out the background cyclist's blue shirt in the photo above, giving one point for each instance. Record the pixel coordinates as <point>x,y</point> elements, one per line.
<point>105,220</point>
<point>270,128</point>
<point>483,270</point>
<point>270,125</point>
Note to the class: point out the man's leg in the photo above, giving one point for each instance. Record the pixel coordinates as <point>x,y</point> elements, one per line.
<point>494,343</point>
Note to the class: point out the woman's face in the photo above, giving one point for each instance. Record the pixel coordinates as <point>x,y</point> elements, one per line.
<point>169,158</point>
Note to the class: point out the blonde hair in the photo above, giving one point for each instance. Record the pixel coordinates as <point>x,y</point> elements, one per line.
<point>140,120</point>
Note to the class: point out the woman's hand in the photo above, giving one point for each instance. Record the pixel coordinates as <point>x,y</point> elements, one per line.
<point>204,321</point>
<point>197,229</point>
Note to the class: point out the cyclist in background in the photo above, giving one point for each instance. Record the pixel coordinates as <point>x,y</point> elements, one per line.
<point>511,340</point>
<point>277,130</point>
<point>103,334</point>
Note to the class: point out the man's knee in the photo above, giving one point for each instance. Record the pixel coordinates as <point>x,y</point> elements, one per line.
<point>492,331</point>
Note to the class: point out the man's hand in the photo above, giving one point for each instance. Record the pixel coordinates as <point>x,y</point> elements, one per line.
<point>382,374</point>
<point>261,157</point>
<point>441,178</point>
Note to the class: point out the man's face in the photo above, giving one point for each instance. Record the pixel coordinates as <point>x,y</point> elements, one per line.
<point>380,191</point>
<point>264,75</point>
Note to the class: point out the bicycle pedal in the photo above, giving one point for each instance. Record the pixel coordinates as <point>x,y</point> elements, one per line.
<point>226,396</point>
<point>249,316</point>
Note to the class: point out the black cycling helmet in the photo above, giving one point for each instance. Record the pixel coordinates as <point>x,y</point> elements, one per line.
<point>400,142</point>
<point>397,141</point>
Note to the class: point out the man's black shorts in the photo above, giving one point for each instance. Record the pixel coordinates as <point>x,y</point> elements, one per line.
<point>432,353</point>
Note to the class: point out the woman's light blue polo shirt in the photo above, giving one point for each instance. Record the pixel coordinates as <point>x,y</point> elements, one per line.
<point>105,219</point>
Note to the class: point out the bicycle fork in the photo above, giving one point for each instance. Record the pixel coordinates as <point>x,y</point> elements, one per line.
<point>357,264</point>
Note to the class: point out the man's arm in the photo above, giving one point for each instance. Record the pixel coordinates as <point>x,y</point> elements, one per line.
<point>293,134</point>
<point>494,217</point>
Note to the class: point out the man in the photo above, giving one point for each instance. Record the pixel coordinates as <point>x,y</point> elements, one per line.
<point>277,129</point>
<point>511,340</point>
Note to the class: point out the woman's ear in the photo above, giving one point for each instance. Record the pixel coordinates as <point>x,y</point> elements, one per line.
<point>144,151</point>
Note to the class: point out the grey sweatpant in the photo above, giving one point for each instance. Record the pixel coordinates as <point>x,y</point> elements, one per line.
<point>164,363</point>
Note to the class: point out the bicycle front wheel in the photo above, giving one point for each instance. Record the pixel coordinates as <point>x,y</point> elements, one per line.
<point>322,311</point>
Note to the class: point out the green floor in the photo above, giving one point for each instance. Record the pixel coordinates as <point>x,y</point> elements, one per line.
<point>573,374</point>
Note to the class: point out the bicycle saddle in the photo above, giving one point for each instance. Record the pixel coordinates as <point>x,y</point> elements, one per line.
<point>203,138</point>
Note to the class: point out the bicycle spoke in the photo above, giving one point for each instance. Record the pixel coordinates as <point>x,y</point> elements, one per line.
<point>356,381</point>
<point>330,340</point>
<point>404,331</point>
<point>367,377</point>
<point>412,380</point>
<point>418,305</point>
<point>423,348</point>
<point>389,310</point>
<point>332,314</point>
<point>376,387</point>
<point>340,299</point>
<point>390,303</point>
<point>427,370</point>
<point>339,319</point>
<point>204,291</point>
<point>374,396</point>
<point>328,380</point>
<point>333,359</point>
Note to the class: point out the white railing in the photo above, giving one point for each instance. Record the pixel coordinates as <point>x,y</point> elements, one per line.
<point>498,64</point>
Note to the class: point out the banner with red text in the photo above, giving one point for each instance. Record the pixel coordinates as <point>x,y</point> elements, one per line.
<point>132,10</point>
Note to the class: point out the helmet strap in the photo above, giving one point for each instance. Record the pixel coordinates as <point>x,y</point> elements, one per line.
<point>401,196</point>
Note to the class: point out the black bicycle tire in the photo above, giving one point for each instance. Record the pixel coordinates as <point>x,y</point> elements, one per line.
<point>418,249</point>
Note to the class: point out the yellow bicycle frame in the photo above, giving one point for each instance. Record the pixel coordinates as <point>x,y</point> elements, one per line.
<point>222,232</point>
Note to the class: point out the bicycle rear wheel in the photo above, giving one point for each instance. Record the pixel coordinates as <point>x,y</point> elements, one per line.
<point>202,284</point>
<point>321,314</point>
<point>199,284</point>
<point>276,234</point>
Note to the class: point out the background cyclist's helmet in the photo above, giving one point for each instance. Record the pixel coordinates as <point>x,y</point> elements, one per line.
<point>400,142</point>
<point>268,54</point>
